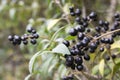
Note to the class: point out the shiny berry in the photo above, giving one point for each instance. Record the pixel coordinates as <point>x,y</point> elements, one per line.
<point>25,42</point>
<point>36,36</point>
<point>33,31</point>
<point>78,60</point>
<point>71,9</point>
<point>107,57</point>
<point>113,56</point>
<point>101,49</point>
<point>79,67</point>
<point>33,41</point>
<point>80,36</point>
<point>67,43</point>
<point>116,15</point>
<point>29,29</point>
<point>73,32</point>
<point>10,38</point>
<point>69,58</point>
<point>86,57</point>
<point>72,13</point>
<point>78,12</point>
<point>92,15</point>
<point>101,23</point>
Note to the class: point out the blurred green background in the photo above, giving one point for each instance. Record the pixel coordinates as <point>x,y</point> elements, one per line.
<point>16,15</point>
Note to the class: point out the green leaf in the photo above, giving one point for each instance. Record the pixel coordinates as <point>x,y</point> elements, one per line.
<point>115,68</point>
<point>46,65</point>
<point>54,64</point>
<point>62,49</point>
<point>32,60</point>
<point>62,70</point>
<point>70,37</point>
<point>51,23</point>
<point>101,67</point>
<point>95,69</point>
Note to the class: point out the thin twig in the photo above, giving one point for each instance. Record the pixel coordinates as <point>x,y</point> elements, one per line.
<point>107,34</point>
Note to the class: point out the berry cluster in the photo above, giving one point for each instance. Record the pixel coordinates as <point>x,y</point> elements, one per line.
<point>89,40</point>
<point>17,40</point>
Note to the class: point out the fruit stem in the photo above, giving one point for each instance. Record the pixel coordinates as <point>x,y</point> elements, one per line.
<point>107,34</point>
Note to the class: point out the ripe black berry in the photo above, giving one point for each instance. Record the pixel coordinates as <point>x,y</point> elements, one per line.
<point>33,31</point>
<point>93,15</point>
<point>71,9</point>
<point>73,32</point>
<point>36,36</point>
<point>101,23</point>
<point>86,57</point>
<point>80,28</point>
<point>107,57</point>
<point>25,42</point>
<point>101,49</point>
<point>85,24</point>
<point>72,13</point>
<point>113,56</point>
<point>17,38</point>
<point>78,60</point>
<point>93,45</point>
<point>29,29</point>
<point>116,15</point>
<point>33,41</point>
<point>69,59</point>
<point>67,43</point>
<point>23,38</point>
<point>10,38</point>
<point>80,36</point>
<point>79,67</point>
<point>78,12</point>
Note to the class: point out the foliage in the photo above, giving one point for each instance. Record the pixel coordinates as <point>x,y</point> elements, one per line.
<point>52,21</point>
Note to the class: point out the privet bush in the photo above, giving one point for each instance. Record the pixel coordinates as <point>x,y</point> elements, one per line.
<point>86,48</point>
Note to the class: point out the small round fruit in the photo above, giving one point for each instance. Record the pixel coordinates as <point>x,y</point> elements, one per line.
<point>36,36</point>
<point>25,42</point>
<point>78,60</point>
<point>69,59</point>
<point>10,38</point>
<point>101,49</point>
<point>33,31</point>
<point>33,41</point>
<point>113,56</point>
<point>93,15</point>
<point>86,57</point>
<point>66,43</point>
<point>107,57</point>
<point>29,29</point>
<point>79,67</point>
<point>73,32</point>
<point>78,12</point>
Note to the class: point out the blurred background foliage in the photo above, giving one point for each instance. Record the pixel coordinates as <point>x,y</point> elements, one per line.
<point>45,16</point>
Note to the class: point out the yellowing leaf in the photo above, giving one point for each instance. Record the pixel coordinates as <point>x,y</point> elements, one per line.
<point>116,44</point>
<point>101,67</point>
<point>92,57</point>
<point>51,23</point>
<point>66,8</point>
